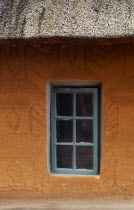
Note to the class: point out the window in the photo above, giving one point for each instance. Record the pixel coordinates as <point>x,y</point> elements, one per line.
<point>74,130</point>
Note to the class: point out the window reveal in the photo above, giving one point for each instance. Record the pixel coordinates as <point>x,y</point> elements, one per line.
<point>74,130</point>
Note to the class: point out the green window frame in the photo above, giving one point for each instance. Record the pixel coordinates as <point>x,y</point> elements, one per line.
<point>74,146</point>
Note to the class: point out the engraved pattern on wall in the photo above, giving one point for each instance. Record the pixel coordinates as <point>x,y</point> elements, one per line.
<point>24,73</point>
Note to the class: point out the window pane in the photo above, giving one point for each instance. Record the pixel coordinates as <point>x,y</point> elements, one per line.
<point>64,130</point>
<point>64,104</point>
<point>64,156</point>
<point>84,157</point>
<point>84,131</point>
<point>84,104</point>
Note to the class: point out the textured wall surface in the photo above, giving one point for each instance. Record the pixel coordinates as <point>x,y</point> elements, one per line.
<point>62,18</point>
<point>24,73</point>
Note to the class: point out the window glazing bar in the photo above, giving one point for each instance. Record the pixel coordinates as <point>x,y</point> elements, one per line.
<point>76,144</point>
<point>95,130</point>
<point>74,131</point>
<point>73,117</point>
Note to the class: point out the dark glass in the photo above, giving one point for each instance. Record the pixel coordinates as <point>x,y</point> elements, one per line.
<point>64,129</point>
<point>84,104</point>
<point>64,104</point>
<point>84,157</point>
<point>84,131</point>
<point>64,156</point>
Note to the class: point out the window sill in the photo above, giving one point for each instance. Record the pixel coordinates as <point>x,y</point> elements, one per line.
<point>74,175</point>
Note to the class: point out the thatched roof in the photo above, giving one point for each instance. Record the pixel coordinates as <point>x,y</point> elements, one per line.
<point>66,18</point>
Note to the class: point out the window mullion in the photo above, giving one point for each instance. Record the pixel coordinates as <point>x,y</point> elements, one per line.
<point>74,131</point>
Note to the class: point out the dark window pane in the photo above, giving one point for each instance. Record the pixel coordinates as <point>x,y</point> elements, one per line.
<point>84,157</point>
<point>64,104</point>
<point>84,104</point>
<point>64,156</point>
<point>84,131</point>
<point>64,130</point>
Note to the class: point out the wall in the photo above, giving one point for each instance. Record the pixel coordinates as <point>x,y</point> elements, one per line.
<point>24,72</point>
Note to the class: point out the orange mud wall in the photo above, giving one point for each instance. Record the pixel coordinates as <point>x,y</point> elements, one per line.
<point>24,73</point>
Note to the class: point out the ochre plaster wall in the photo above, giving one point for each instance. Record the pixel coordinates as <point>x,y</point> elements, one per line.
<point>24,73</point>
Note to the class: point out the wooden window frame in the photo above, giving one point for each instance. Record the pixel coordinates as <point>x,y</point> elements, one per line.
<point>53,143</point>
